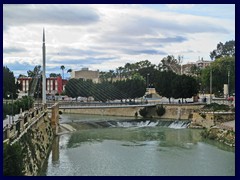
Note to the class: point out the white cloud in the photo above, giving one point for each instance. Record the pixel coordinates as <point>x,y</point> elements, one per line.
<point>99,35</point>
<point>180,6</point>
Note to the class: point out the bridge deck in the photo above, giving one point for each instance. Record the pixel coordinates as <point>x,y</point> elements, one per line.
<point>102,106</point>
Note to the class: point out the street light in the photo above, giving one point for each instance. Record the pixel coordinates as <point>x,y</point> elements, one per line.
<point>211,86</point>
<point>228,83</point>
<point>148,80</point>
<point>12,107</point>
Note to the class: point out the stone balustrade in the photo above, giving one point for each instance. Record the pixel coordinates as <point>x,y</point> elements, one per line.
<point>24,121</point>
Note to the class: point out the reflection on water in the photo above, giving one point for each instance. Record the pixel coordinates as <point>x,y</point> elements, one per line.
<point>138,151</point>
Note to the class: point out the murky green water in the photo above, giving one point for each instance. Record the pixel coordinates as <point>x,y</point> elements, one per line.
<point>137,151</point>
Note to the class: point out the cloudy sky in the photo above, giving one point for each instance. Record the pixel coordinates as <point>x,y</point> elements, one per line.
<point>105,36</point>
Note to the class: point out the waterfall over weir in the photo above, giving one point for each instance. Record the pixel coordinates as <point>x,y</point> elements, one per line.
<point>136,124</point>
<point>148,123</point>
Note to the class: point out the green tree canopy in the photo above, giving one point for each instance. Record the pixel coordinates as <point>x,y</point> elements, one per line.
<point>54,75</point>
<point>223,50</point>
<point>71,88</point>
<point>171,85</point>
<point>9,84</point>
<point>220,68</point>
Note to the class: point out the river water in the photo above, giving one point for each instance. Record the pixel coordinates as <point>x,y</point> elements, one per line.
<point>142,148</point>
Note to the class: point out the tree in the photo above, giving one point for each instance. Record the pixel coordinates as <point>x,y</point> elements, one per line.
<point>24,103</point>
<point>36,71</point>
<point>195,70</point>
<point>119,72</point>
<point>171,85</point>
<point>220,68</point>
<point>62,68</point>
<point>35,85</point>
<point>69,70</point>
<point>9,85</point>
<point>170,63</point>
<point>54,75</point>
<point>13,160</point>
<point>103,91</point>
<point>223,50</point>
<point>160,110</point>
<point>71,88</point>
<point>189,86</point>
<point>135,87</point>
<point>21,75</point>
<point>163,83</point>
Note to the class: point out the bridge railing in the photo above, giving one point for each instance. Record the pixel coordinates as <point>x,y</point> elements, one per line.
<point>12,131</point>
<point>63,104</point>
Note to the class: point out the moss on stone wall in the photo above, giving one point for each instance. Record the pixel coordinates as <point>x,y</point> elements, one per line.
<point>225,136</point>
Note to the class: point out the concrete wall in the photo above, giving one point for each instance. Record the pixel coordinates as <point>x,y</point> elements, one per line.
<point>36,144</point>
<point>209,119</point>
<point>206,120</point>
<point>176,111</point>
<point>127,111</point>
<point>172,111</point>
<point>34,132</point>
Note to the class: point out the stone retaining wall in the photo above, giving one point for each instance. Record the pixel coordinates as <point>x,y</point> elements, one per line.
<point>173,111</point>
<point>34,131</point>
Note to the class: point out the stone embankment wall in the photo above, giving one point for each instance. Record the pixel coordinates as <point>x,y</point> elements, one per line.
<point>36,144</point>
<point>179,111</point>
<point>216,126</point>
<point>174,111</point>
<point>108,111</point>
<point>34,131</point>
<point>209,119</point>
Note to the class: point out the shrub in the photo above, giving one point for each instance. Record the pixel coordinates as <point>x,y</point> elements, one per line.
<point>12,160</point>
<point>203,115</point>
<point>143,112</point>
<point>217,107</point>
<point>160,110</point>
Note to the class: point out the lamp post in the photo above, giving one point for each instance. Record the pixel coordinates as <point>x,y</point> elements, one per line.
<point>148,80</point>
<point>12,107</point>
<point>211,86</point>
<point>228,83</point>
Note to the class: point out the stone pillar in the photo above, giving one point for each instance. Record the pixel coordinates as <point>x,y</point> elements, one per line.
<point>21,121</point>
<point>29,117</point>
<point>14,127</point>
<point>55,149</point>
<point>8,132</point>
<point>55,117</point>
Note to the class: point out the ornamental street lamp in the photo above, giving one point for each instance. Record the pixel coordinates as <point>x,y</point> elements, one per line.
<point>148,80</point>
<point>211,86</point>
<point>11,94</point>
<point>228,83</point>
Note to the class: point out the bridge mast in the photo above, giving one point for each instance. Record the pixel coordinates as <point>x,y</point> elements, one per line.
<point>44,71</point>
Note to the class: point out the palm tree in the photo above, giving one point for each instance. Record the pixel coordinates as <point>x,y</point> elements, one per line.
<point>69,70</point>
<point>62,68</point>
<point>120,71</point>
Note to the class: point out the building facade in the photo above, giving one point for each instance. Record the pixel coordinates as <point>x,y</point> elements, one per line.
<point>203,64</point>
<point>85,73</point>
<point>54,85</point>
